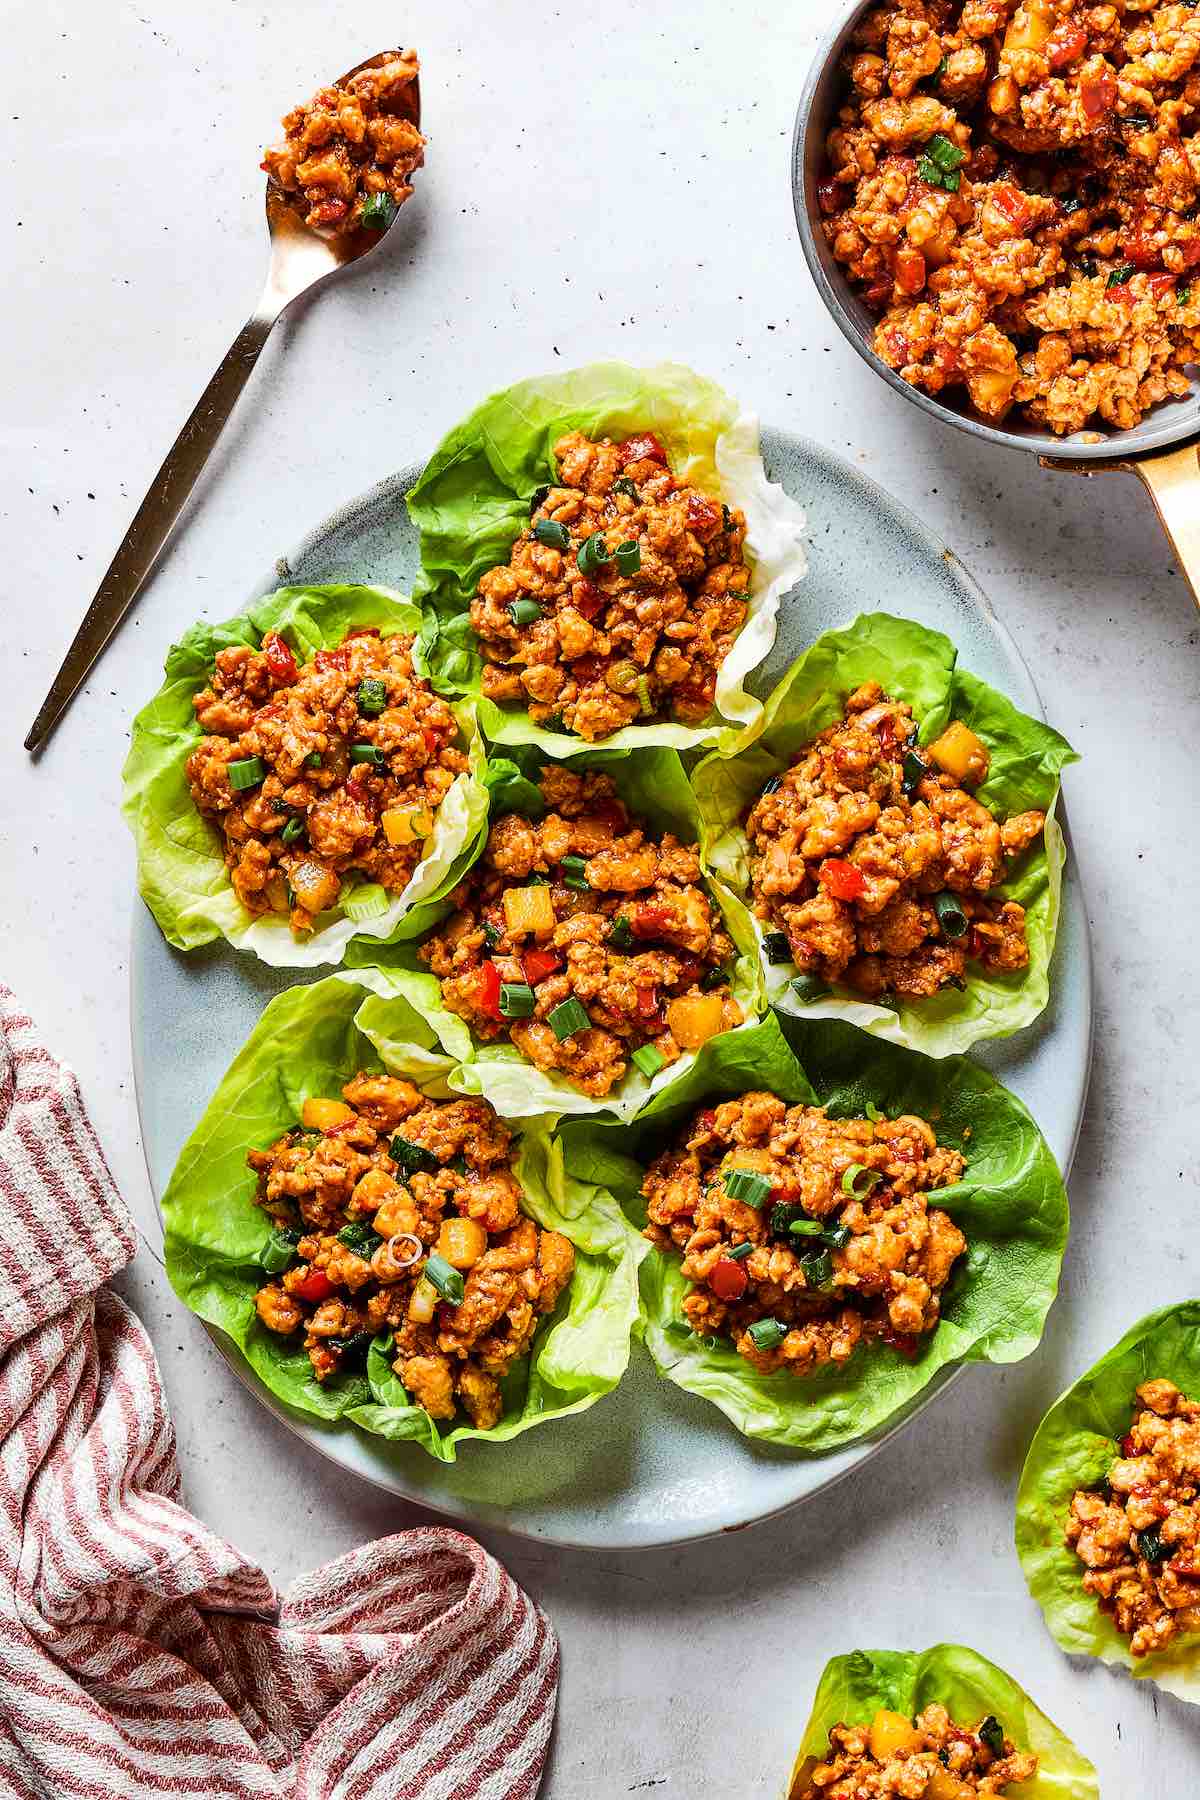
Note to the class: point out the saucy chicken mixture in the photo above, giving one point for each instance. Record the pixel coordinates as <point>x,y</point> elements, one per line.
<point>313,771</point>
<point>620,600</point>
<point>349,153</point>
<point>584,941</point>
<point>396,1214</point>
<point>1138,1535</point>
<point>926,1758</point>
<point>1015,190</point>
<point>805,1236</point>
<point>872,864</point>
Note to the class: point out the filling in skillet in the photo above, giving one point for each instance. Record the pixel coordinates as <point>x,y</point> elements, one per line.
<point>1138,1535</point>
<point>585,942</point>
<point>1014,190</point>
<point>620,600</point>
<point>394,1213</point>
<point>872,865</point>
<point>804,1235</point>
<point>926,1758</point>
<point>311,772</point>
<point>348,154</point>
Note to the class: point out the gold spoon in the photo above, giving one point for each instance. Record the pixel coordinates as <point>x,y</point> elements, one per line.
<point>300,258</point>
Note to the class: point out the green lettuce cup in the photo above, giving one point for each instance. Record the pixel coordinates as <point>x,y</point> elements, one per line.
<point>308,1042</point>
<point>180,859</point>
<point>473,500</point>
<point>1011,1205</point>
<point>654,787</point>
<point>853,1689</point>
<point>1073,1448</point>
<point>919,666</point>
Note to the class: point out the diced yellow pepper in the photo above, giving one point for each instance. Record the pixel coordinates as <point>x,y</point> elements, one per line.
<point>528,911</point>
<point>462,1242</point>
<point>891,1734</point>
<point>961,754</point>
<point>323,1115</point>
<point>406,824</point>
<point>694,1019</point>
<point>942,1785</point>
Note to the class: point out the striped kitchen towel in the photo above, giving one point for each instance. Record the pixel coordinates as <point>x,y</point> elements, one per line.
<point>139,1653</point>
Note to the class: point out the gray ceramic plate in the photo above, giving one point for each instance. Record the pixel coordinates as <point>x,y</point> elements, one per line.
<point>648,1465</point>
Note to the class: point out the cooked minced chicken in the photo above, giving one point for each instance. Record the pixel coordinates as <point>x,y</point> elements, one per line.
<point>926,1758</point>
<point>348,154</point>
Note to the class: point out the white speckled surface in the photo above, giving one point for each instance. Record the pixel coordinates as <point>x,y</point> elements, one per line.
<point>566,211</point>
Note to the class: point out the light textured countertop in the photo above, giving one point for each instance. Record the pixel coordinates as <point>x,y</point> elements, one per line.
<point>605,178</point>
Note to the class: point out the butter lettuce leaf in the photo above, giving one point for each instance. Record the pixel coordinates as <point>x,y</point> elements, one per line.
<point>181,868</point>
<point>1011,1205</point>
<point>919,666</point>
<point>1072,1448</point>
<point>472,500</point>
<point>853,1688</point>
<point>310,1041</point>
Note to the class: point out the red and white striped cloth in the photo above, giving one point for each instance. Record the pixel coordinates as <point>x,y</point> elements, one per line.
<point>139,1653</point>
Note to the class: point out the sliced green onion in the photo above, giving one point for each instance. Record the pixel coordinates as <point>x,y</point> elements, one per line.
<point>620,937</point>
<point>767,1334</point>
<point>1151,1546</point>
<point>649,1059</point>
<point>246,772</point>
<point>858,1179</point>
<point>623,485</point>
<point>936,176</point>
<point>817,1269</point>
<point>538,497</point>
<point>566,1019</point>
<point>776,948</point>
<point>458,1164</point>
<point>806,1228</point>
<point>773,785</point>
<point>536,880</point>
<point>574,871</point>
<point>370,901</point>
<point>446,1279</point>
<point>279,1250</point>
<point>991,1733</point>
<point>1120,275</point>
<point>739,1253</point>
<point>945,154</point>
<point>628,556</point>
<point>358,1235</point>
<point>913,770</point>
<point>372,696</point>
<point>413,1158</point>
<point>516,1000</point>
<point>352,1350</point>
<point>832,1237</point>
<point>783,1215</point>
<point>291,831</point>
<point>594,554</point>
<point>941,68</point>
<point>951,917</point>
<point>713,978</point>
<point>491,934</point>
<point>378,211</point>
<point>549,531</point>
<point>524,612</point>
<point>313,760</point>
<point>748,1185</point>
<point>643,692</point>
<point>872,1111</point>
<point>1183,294</point>
<point>809,987</point>
<point>366,753</point>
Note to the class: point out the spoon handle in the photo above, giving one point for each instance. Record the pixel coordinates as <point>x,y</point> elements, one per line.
<point>152,523</point>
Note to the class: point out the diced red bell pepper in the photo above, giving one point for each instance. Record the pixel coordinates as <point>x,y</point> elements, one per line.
<point>645,448</point>
<point>433,740</point>
<point>906,1342</point>
<point>332,659</point>
<point>647,1002</point>
<point>1067,44</point>
<point>586,598</point>
<point>690,968</point>
<point>1190,252</point>
<point>702,516</point>
<point>842,879</point>
<point>1013,204</point>
<point>831,196</point>
<point>315,1286</point>
<point>1127,1447</point>
<point>1098,94</point>
<point>1160,285</point>
<point>649,919</point>
<point>909,270</point>
<point>728,1280</point>
<point>537,964</point>
<point>707,1119</point>
<point>281,664</point>
<point>1141,251</point>
<point>487,997</point>
<point>358,787</point>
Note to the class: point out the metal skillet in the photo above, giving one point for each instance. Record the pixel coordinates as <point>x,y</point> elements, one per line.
<point>1163,451</point>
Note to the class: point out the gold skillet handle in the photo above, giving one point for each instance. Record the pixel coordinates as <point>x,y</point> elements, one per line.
<point>1172,480</point>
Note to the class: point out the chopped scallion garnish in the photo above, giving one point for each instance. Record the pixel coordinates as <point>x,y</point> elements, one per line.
<point>574,871</point>
<point>291,831</point>
<point>524,612</point>
<point>620,936</point>
<point>370,901</point>
<point>872,1111</point>
<point>767,1334</point>
<point>623,485</point>
<point>1151,1546</point>
<point>1118,277</point>
<point>858,1179</point>
<point>817,1269</point>
<point>538,497</point>
<point>713,978</point>
<point>643,693</point>
<point>773,785</point>
<point>279,1250</point>
<point>566,1019</point>
<point>628,556</point>
<point>748,1185</point>
<point>594,554</point>
<point>358,1235</point>
<point>245,772</point>
<point>516,1000</point>
<point>776,948</point>
<point>951,917</point>
<point>809,987</point>
<point>372,696</point>
<point>412,1158</point>
<point>913,771</point>
<point>378,211</point>
<point>739,1253</point>
<point>549,531</point>
<point>991,1733</point>
<point>313,760</point>
<point>491,934</point>
<point>445,1278</point>
<point>366,753</point>
<point>649,1059</point>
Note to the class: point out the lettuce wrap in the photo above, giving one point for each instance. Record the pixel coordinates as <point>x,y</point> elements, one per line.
<point>309,1041</point>
<point>1011,1206</point>
<point>919,666</point>
<point>473,498</point>
<point>181,864</point>
<point>854,1688</point>
<point>653,785</point>
<point>1073,1448</point>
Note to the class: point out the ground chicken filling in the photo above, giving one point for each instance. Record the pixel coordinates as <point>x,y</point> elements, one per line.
<point>620,601</point>
<point>1138,1535</point>
<point>926,1758</point>
<point>395,1214</point>
<point>806,1236</point>
<point>1016,191</point>
<point>320,772</point>
<point>585,942</point>
<point>871,865</point>
<point>349,153</point>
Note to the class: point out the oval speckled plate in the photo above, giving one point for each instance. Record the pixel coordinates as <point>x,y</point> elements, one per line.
<point>649,1465</point>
